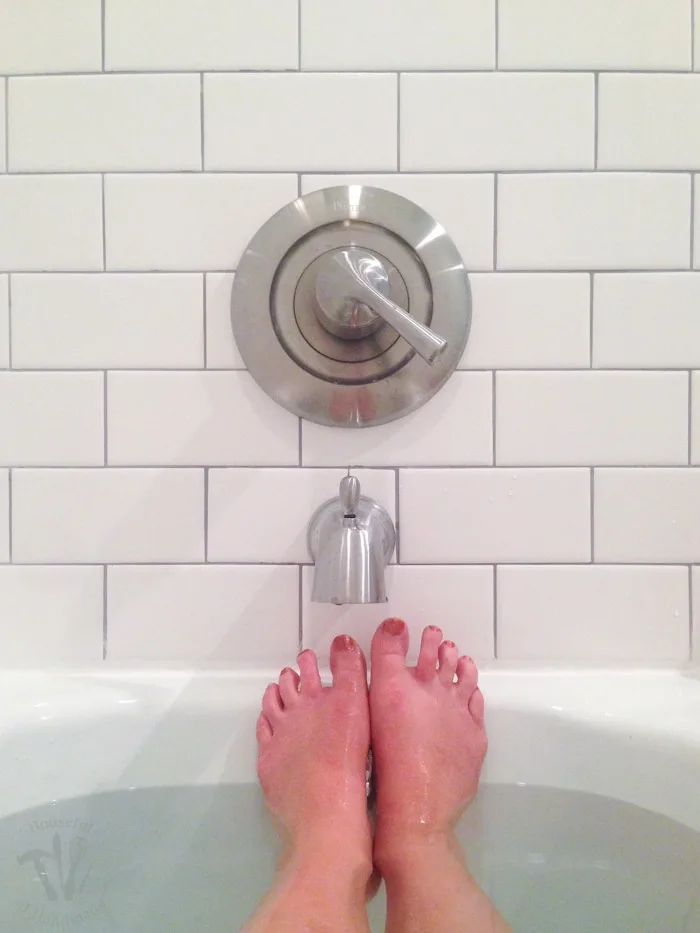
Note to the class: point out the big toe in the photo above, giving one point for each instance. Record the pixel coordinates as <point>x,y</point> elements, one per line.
<point>348,664</point>
<point>389,646</point>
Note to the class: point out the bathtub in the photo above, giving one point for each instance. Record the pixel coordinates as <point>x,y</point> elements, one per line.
<point>128,802</point>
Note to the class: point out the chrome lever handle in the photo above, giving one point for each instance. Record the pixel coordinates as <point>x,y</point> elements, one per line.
<point>352,292</point>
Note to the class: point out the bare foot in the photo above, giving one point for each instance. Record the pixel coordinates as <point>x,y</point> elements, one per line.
<point>428,737</point>
<point>313,743</point>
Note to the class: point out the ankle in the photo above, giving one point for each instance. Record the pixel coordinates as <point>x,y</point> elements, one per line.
<point>340,846</point>
<point>400,848</point>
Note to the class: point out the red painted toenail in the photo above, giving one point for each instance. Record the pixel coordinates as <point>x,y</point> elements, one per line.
<point>393,626</point>
<point>343,643</point>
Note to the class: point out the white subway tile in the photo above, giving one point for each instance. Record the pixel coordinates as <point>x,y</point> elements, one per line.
<point>648,320</point>
<point>114,321</point>
<point>45,36</point>
<point>107,516</point>
<point>462,204</point>
<point>529,320</point>
<point>593,614</point>
<point>396,36</point>
<point>696,608</point>
<point>649,121</point>
<point>594,34</point>
<point>696,38</point>
<point>647,516</point>
<point>497,121</point>
<point>200,35</point>
<point>695,259</point>
<point>203,616</point>
<point>458,599</point>
<point>4,321</point>
<point>188,222</point>
<point>3,86</point>
<point>327,121</point>
<point>51,616</point>
<point>695,427</point>
<point>586,418</point>
<point>602,221</point>
<point>263,515</point>
<point>491,516</point>
<point>50,222</point>
<point>196,418</point>
<point>222,352</point>
<point>51,419</point>
<point>98,123</point>
<point>453,428</point>
<point>4,516</point>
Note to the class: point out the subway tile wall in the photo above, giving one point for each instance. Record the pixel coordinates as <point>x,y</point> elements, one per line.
<point>154,502</point>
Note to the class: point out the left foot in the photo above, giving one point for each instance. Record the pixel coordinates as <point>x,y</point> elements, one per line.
<point>313,743</point>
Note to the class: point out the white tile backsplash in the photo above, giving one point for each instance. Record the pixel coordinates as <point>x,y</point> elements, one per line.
<point>647,516</point>
<point>615,418</point>
<point>502,121</point>
<point>111,321</point>
<point>645,320</point>
<point>187,222</point>
<point>595,34</point>
<point>302,110</point>
<point>100,123</point>
<point>455,428</point>
<point>51,616</point>
<point>645,123</point>
<point>51,419</point>
<point>43,36</point>
<point>287,499</point>
<point>200,35</point>
<point>587,220</point>
<point>457,599</point>
<point>397,35</point>
<point>211,616</point>
<point>107,516</point>
<point>499,516</point>
<point>50,222</point>
<point>591,614</point>
<point>695,622</point>
<point>196,419</point>
<point>546,317</point>
<point>142,145</point>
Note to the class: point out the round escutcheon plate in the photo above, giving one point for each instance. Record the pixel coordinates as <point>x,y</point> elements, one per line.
<point>277,322</point>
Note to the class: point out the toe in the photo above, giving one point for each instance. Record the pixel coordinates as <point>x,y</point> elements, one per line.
<point>476,706</point>
<point>389,646</point>
<point>263,729</point>
<point>272,703</point>
<point>428,657</point>
<point>310,677</point>
<point>447,656</point>
<point>348,665</point>
<point>467,675</point>
<point>289,686</point>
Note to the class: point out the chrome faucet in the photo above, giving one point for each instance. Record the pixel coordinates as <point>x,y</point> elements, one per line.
<point>351,539</point>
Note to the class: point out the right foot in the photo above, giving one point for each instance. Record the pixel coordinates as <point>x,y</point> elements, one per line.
<point>428,736</point>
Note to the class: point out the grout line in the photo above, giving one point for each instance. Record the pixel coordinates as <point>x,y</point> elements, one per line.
<point>485,562</point>
<point>299,35</point>
<point>201,121</point>
<point>464,69</point>
<point>301,607</point>
<point>397,513</point>
<point>7,124</point>
<point>299,184</point>
<point>206,515</point>
<point>596,117</point>
<point>493,418</point>
<point>415,467</point>
<point>495,611</point>
<point>592,514</point>
<point>104,228</point>
<point>692,633</point>
<point>104,613</point>
<point>104,414</point>
<point>398,122</point>
<point>204,321</point>
<point>495,222</point>
<point>9,321</point>
<point>590,322</point>
<point>692,35</point>
<point>9,515</point>
<point>693,185</point>
<point>660,370</point>
<point>690,417</point>
<point>459,171</point>
<point>102,32</point>
<point>496,37</point>
<point>300,454</point>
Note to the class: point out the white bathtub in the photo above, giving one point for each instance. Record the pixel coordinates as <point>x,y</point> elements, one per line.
<point>71,859</point>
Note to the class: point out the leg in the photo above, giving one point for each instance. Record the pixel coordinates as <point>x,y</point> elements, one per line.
<point>313,743</point>
<point>429,744</point>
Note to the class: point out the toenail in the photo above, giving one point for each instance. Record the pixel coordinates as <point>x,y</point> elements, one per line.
<point>450,644</point>
<point>393,626</point>
<point>433,628</point>
<point>343,643</point>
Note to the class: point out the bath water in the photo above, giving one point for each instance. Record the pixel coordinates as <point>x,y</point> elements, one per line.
<point>198,860</point>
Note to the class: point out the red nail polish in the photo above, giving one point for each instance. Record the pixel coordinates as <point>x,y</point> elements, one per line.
<point>393,626</point>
